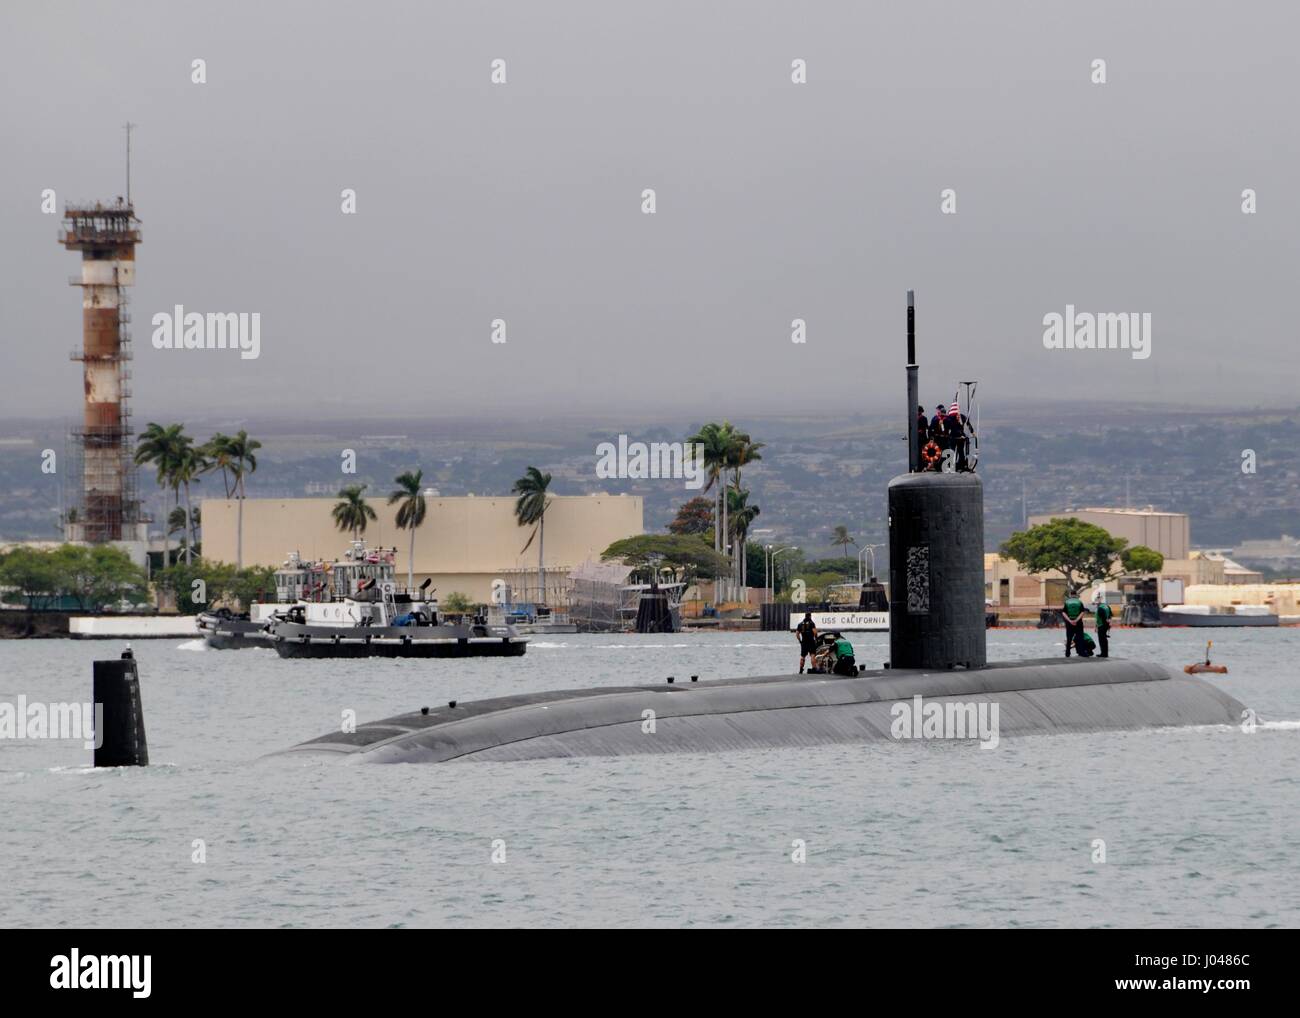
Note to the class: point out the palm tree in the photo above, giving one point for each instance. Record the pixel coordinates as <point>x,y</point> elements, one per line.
<point>163,448</point>
<point>841,537</point>
<point>190,463</point>
<point>742,517</point>
<point>352,512</point>
<point>176,521</point>
<point>240,461</point>
<point>714,443</point>
<point>741,451</point>
<point>216,454</point>
<point>530,511</point>
<point>744,452</point>
<point>410,514</point>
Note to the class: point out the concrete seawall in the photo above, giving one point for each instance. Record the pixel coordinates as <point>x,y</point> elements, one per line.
<point>132,627</point>
<point>19,624</point>
<point>1033,697</point>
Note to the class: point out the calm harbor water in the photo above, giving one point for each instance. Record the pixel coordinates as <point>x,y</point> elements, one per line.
<point>1200,825</point>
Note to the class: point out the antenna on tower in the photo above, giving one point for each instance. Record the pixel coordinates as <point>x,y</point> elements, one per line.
<point>128,127</point>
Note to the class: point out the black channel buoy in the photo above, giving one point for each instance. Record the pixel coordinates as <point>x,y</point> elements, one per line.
<point>652,612</point>
<point>117,693</point>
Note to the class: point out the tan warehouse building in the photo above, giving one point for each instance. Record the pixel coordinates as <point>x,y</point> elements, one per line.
<point>464,544</point>
<point>1167,533</point>
<point>1007,585</point>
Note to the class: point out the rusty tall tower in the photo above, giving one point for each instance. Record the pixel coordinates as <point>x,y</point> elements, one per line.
<point>104,505</point>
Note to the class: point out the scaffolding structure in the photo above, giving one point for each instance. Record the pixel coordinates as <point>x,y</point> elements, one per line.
<point>101,501</point>
<point>596,599</point>
<point>523,586</point>
<point>601,600</point>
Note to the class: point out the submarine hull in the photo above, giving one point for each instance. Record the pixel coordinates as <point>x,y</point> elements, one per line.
<point>1032,698</point>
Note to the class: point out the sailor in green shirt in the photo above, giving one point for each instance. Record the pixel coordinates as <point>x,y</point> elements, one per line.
<point>1104,614</point>
<point>1072,609</point>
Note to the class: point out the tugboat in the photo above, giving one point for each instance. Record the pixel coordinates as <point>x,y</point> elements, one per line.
<point>379,621</point>
<point>223,629</point>
<point>297,582</point>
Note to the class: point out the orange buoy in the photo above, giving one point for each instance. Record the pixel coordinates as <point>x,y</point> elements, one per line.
<point>931,454</point>
<point>1205,666</point>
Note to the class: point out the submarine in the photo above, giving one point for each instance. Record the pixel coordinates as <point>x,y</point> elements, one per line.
<point>938,668</point>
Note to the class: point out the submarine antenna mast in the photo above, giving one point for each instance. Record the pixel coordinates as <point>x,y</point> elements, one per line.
<point>913,388</point>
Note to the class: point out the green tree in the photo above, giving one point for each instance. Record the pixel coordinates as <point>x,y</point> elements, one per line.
<point>530,511</point>
<point>694,517</point>
<point>842,568</point>
<point>216,454</point>
<point>32,574</point>
<point>688,556</point>
<point>352,512</point>
<point>842,539</point>
<point>1081,552</point>
<point>176,522</point>
<point>190,463</point>
<point>410,513</point>
<point>1141,560</point>
<point>457,602</point>
<point>742,518</point>
<point>164,448</point>
<point>93,576</point>
<point>715,441</point>
<point>241,462</point>
<point>99,575</point>
<point>816,584</point>
<point>222,584</point>
<point>235,456</point>
<point>755,563</point>
<point>743,451</point>
<point>789,564</point>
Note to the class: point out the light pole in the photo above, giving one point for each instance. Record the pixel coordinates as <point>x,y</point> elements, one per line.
<point>766,549</point>
<point>869,550</point>
<point>772,574</point>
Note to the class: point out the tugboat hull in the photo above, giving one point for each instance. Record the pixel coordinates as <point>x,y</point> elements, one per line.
<point>388,648</point>
<point>218,640</point>
<point>294,640</point>
<point>231,633</point>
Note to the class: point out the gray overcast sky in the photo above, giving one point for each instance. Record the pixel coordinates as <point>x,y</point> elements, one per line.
<point>775,200</point>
